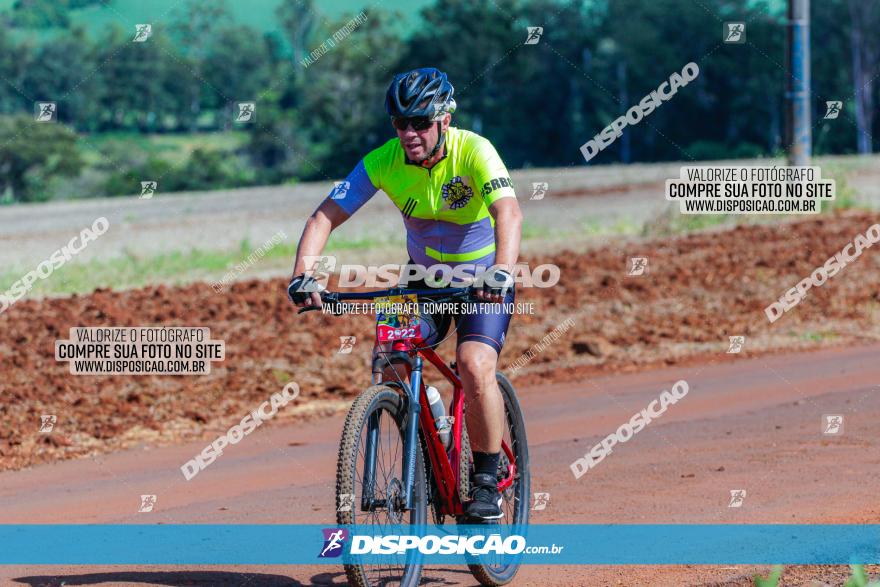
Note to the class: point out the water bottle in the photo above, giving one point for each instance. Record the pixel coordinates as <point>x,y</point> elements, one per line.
<point>439,414</point>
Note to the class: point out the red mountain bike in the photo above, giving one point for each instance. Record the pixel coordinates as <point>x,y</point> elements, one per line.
<point>393,463</point>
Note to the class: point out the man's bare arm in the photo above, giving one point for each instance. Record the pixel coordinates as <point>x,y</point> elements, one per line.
<point>508,232</point>
<point>315,234</point>
<point>313,240</point>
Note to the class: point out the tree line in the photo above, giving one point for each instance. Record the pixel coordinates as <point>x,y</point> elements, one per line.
<point>315,117</point>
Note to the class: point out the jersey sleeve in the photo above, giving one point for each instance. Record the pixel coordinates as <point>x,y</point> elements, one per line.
<point>354,191</point>
<point>489,172</point>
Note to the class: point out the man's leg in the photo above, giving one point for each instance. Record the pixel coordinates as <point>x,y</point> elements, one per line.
<point>480,340</point>
<point>485,424</point>
<point>477,364</point>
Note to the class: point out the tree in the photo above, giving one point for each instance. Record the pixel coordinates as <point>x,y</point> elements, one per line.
<point>238,64</point>
<point>339,105</point>
<point>865,16</point>
<point>39,14</point>
<point>832,76</point>
<point>63,71</point>
<point>143,83</point>
<point>14,69</point>
<point>298,19</point>
<point>32,155</point>
<point>276,145</point>
<point>476,44</point>
<point>195,25</point>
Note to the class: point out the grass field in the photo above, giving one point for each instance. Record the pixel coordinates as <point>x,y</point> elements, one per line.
<point>176,267</point>
<point>182,238</point>
<point>174,148</point>
<point>185,266</point>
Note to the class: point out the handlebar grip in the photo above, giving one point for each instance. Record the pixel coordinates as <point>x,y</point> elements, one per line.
<point>325,298</point>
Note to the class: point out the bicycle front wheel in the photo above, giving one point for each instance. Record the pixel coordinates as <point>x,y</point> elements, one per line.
<point>376,498</point>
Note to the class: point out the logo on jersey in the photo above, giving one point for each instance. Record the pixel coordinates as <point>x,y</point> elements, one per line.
<point>457,194</point>
<point>334,541</point>
<point>497,184</point>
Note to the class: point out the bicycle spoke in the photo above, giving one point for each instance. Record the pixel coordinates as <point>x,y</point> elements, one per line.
<point>386,486</point>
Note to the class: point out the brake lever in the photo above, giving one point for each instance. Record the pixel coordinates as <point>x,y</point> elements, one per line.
<point>328,307</point>
<point>326,298</point>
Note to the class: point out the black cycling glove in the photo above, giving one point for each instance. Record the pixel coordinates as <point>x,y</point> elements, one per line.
<point>497,282</point>
<point>301,287</point>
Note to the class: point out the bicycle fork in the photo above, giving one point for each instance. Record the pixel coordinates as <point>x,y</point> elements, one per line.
<point>410,446</point>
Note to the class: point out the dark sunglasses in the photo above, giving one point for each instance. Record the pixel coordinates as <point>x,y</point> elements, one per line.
<point>418,123</point>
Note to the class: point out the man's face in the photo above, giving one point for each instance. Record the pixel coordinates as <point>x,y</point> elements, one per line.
<point>418,143</point>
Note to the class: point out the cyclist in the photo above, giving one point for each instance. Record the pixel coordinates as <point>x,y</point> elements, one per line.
<point>459,208</point>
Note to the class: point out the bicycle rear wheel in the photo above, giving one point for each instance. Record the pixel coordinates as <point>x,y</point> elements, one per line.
<point>381,411</point>
<point>515,498</point>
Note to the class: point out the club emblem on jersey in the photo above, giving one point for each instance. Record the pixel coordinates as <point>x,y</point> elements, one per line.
<point>456,193</point>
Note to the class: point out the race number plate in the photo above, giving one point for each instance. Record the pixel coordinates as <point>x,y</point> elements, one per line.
<point>397,317</point>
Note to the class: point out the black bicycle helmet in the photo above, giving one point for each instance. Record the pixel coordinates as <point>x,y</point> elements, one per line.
<point>420,92</point>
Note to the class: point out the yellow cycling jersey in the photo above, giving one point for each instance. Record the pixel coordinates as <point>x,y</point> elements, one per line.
<point>445,208</point>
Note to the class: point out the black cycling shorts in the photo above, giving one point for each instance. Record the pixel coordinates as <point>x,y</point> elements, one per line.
<point>475,321</point>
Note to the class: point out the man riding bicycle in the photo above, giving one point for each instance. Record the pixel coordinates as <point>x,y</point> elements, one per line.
<point>459,208</point>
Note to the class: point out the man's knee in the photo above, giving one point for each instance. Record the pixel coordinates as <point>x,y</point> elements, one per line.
<point>476,361</point>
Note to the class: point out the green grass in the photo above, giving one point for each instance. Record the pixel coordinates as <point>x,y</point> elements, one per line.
<point>691,223</point>
<point>620,227</point>
<point>129,270</point>
<point>173,148</point>
<point>530,230</point>
<point>673,222</point>
<point>176,267</point>
<point>281,376</point>
<point>133,269</point>
<point>772,580</point>
<point>587,228</point>
<point>846,197</point>
<point>859,578</point>
<point>819,336</point>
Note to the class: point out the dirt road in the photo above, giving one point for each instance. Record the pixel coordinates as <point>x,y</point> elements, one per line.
<point>697,292</point>
<point>753,424</point>
<point>577,199</point>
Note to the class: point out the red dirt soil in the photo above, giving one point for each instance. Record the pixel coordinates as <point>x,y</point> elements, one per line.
<point>698,290</point>
<point>753,424</point>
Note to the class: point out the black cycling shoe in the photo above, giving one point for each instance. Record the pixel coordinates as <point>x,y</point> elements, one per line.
<point>485,501</point>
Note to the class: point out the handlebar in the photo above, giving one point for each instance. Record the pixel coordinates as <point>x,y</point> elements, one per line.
<point>445,293</point>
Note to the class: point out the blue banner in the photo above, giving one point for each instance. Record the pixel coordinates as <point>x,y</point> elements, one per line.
<point>581,544</point>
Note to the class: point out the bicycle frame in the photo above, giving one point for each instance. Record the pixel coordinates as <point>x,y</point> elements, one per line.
<point>445,466</point>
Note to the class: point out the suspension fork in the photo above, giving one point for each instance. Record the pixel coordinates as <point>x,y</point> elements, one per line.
<point>410,443</point>
<point>411,434</point>
<point>369,474</point>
